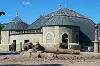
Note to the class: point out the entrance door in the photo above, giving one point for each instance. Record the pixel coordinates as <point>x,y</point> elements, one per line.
<point>14,41</point>
<point>65,40</point>
<point>14,46</point>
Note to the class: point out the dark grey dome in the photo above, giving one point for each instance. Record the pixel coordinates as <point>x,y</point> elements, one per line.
<point>87,27</point>
<point>41,21</point>
<point>38,23</point>
<point>67,12</point>
<point>64,17</point>
<point>16,24</point>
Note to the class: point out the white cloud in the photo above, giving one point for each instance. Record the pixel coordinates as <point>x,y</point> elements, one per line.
<point>26,3</point>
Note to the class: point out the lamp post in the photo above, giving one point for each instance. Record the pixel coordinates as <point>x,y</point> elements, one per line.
<point>96,42</point>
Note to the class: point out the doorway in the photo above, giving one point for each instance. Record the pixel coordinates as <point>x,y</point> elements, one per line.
<point>14,45</point>
<point>65,40</point>
<point>14,41</point>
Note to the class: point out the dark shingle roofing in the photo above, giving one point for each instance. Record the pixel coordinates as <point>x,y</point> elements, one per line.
<point>87,27</point>
<point>16,19</point>
<point>99,30</point>
<point>60,12</point>
<point>16,24</point>
<point>67,12</point>
<point>39,22</point>
<point>61,20</point>
<point>68,17</point>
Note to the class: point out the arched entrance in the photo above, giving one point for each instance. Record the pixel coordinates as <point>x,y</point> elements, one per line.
<point>65,40</point>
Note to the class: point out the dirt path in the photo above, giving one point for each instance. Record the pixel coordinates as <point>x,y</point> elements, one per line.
<point>67,60</point>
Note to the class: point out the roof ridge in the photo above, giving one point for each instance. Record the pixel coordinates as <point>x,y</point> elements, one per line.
<point>16,19</point>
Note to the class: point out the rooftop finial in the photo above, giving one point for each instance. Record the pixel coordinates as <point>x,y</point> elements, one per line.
<point>16,13</point>
<point>59,6</point>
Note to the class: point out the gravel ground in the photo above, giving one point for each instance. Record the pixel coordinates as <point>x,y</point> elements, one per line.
<point>84,59</point>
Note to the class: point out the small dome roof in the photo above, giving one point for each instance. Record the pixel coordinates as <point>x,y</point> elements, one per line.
<point>16,24</point>
<point>16,19</point>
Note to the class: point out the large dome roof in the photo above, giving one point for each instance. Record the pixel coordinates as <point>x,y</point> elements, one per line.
<point>42,20</point>
<point>16,24</point>
<point>68,12</point>
<point>87,27</point>
<point>67,17</point>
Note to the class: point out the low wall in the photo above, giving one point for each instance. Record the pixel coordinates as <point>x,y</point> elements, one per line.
<point>4,47</point>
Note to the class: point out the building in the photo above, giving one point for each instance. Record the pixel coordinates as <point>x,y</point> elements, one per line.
<point>61,26</point>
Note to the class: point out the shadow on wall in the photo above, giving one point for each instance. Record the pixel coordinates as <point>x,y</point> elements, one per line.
<point>36,65</point>
<point>83,37</point>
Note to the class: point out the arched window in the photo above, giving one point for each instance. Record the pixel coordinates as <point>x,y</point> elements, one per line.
<point>49,38</point>
<point>64,38</point>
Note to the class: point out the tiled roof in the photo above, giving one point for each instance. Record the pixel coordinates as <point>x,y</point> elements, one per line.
<point>16,24</point>
<point>39,22</point>
<point>87,27</point>
<point>67,12</point>
<point>16,19</point>
<point>68,17</point>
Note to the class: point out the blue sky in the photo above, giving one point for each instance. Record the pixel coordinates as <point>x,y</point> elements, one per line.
<point>30,10</point>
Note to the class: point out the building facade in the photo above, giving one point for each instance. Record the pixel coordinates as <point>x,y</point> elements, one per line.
<point>61,26</point>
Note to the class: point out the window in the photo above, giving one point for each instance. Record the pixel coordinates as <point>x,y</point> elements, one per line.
<point>49,38</point>
<point>25,41</point>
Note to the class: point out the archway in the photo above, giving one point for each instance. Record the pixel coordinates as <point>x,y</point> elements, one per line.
<point>65,40</point>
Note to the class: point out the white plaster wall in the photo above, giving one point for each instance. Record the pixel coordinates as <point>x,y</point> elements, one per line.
<point>5,38</point>
<point>54,32</point>
<point>31,37</point>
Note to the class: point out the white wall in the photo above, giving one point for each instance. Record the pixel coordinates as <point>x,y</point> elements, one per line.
<point>31,37</point>
<point>5,38</point>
